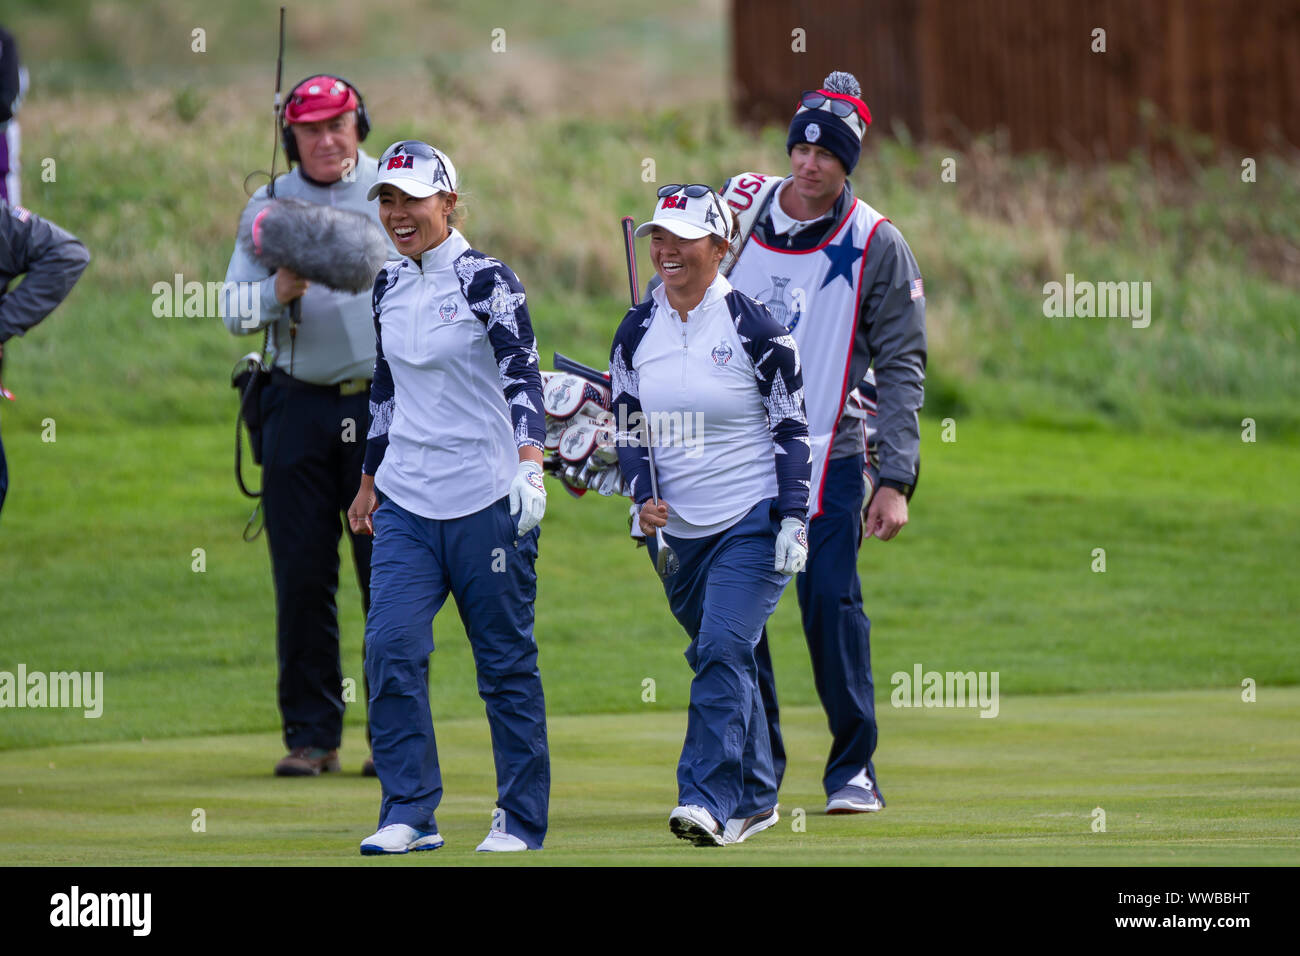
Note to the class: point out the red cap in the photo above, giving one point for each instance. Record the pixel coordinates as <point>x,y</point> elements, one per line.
<point>319,98</point>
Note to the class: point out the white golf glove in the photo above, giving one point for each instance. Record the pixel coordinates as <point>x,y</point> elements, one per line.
<point>791,546</point>
<point>528,496</point>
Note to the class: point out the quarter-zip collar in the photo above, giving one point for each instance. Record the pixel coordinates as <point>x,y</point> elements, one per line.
<point>440,256</point>
<point>718,289</point>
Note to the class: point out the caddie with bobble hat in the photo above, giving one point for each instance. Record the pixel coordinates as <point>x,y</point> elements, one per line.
<point>834,117</point>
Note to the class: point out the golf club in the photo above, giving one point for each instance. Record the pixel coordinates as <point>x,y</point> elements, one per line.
<point>666,561</point>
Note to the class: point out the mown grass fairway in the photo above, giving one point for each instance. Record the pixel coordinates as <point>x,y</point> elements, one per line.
<point>1185,778</point>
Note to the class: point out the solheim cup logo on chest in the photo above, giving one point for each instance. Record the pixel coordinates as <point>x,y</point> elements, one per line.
<point>721,354</point>
<point>447,311</point>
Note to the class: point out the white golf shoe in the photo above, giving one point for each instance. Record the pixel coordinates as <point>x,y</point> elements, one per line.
<point>740,829</point>
<point>399,838</point>
<point>498,840</point>
<point>696,825</point>
<point>859,795</point>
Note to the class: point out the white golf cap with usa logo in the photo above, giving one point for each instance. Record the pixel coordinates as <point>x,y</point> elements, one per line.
<point>416,168</point>
<point>690,217</point>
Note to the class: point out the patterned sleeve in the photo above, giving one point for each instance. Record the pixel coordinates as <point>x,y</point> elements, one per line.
<point>780,384</point>
<point>625,387</point>
<point>382,394</point>
<point>496,296</point>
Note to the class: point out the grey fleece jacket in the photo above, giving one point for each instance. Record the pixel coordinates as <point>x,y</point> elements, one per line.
<point>52,259</point>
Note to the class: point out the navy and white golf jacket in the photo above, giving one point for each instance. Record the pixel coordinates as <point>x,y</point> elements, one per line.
<point>722,394</point>
<point>456,390</point>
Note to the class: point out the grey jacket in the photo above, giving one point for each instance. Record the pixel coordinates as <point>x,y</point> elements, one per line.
<point>52,259</point>
<point>336,338</point>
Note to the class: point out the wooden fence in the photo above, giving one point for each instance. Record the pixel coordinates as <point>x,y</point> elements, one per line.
<point>948,70</point>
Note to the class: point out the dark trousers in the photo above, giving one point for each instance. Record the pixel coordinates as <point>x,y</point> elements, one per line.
<point>490,573</point>
<point>838,633</point>
<point>310,474</point>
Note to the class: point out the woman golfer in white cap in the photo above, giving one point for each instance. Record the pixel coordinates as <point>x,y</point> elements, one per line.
<point>716,381</point>
<point>452,491</point>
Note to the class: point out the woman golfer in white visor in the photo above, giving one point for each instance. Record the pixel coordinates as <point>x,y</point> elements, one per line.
<point>715,380</point>
<point>452,491</point>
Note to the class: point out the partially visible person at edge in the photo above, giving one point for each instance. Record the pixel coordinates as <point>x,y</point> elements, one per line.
<point>310,456</point>
<point>862,305</point>
<point>52,260</point>
<point>732,507</point>
<point>13,86</point>
<point>452,491</point>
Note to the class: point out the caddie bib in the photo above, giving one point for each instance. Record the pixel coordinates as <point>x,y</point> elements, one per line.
<point>815,293</point>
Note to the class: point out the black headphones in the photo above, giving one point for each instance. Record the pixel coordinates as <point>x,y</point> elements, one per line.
<point>289,141</point>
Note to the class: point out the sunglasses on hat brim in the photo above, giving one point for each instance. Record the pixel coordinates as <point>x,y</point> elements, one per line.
<point>816,100</point>
<point>694,191</point>
<point>414,147</point>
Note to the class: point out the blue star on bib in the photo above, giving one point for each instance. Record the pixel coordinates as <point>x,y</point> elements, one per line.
<point>843,255</point>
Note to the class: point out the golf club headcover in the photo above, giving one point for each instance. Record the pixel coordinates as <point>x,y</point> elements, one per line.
<point>554,430</point>
<point>579,448</point>
<point>577,443</point>
<point>564,395</point>
<point>340,249</point>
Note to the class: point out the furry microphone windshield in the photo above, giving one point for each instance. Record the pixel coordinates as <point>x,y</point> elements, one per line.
<point>341,250</point>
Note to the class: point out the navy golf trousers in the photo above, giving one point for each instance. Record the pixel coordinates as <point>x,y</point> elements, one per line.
<point>723,595</point>
<point>490,573</point>
<point>838,633</point>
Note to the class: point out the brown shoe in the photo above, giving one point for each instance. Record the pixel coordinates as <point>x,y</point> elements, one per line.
<point>368,768</point>
<point>308,762</point>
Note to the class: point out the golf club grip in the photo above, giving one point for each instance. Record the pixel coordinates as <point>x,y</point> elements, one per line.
<point>629,250</point>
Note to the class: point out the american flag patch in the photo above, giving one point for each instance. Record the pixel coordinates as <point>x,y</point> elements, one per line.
<point>918,290</point>
<point>22,214</point>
